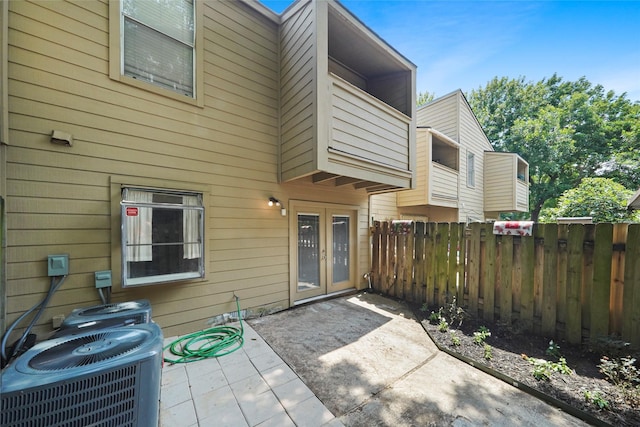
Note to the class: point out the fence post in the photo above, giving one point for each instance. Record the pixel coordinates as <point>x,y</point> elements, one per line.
<point>561,288</point>
<point>506,279</point>
<point>601,286</point>
<point>488,262</point>
<point>400,243</point>
<point>409,265</point>
<point>527,253</point>
<point>631,300</point>
<point>574,284</point>
<point>442,243</point>
<point>384,258</point>
<point>474,268</point>
<point>375,256</point>
<point>587,275</point>
<point>429,263</point>
<point>452,283</point>
<point>617,278</point>
<point>419,263</point>
<point>550,280</point>
<point>462,263</point>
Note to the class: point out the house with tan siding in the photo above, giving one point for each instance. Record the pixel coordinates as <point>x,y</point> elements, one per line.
<point>196,154</point>
<point>459,177</point>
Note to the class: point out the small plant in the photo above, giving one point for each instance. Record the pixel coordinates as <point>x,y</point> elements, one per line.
<point>620,371</point>
<point>424,307</point>
<point>453,313</point>
<point>596,398</point>
<point>443,326</point>
<point>481,335</point>
<point>455,339</point>
<point>434,318</point>
<point>488,352</point>
<point>543,369</point>
<point>553,350</point>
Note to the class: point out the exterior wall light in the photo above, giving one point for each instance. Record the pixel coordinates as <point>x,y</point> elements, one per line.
<point>275,202</point>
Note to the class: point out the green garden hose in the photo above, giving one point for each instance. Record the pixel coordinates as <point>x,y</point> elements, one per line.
<point>213,342</point>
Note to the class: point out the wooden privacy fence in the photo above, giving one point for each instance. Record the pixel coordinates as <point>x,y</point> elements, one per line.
<point>570,281</point>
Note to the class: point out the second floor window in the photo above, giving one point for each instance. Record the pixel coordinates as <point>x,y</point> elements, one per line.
<point>471,170</point>
<point>158,43</point>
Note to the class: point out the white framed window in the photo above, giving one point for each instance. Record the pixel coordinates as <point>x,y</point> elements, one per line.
<point>471,169</point>
<point>162,236</point>
<point>156,45</point>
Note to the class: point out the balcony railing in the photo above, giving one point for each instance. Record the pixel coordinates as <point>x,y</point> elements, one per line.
<point>367,134</point>
<point>442,186</point>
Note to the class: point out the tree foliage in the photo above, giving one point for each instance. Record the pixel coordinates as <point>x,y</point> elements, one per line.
<point>567,131</point>
<point>424,98</point>
<point>603,199</point>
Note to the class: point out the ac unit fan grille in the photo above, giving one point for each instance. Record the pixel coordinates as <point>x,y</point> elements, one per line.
<point>106,399</point>
<point>88,349</point>
<point>110,308</point>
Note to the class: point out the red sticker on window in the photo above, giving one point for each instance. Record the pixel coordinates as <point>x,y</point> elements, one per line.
<point>132,211</point>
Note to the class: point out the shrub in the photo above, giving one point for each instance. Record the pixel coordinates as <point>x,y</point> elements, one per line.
<point>620,370</point>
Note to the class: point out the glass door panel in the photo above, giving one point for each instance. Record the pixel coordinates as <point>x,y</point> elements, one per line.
<point>340,247</point>
<point>324,248</point>
<point>308,251</point>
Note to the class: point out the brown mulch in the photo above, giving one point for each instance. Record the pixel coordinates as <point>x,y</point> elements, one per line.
<point>510,350</point>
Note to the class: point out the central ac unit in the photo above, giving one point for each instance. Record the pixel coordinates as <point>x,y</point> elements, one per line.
<point>106,316</point>
<point>108,377</point>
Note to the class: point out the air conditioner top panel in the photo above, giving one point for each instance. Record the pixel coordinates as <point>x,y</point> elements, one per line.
<point>73,356</point>
<point>112,309</point>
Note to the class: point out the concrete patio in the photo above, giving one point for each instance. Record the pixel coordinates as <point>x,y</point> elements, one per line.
<point>359,360</point>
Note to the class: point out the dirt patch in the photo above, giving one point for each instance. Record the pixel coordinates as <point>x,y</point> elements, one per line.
<point>519,356</point>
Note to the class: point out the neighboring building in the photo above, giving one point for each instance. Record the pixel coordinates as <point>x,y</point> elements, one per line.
<point>156,158</point>
<point>459,177</point>
<point>634,202</point>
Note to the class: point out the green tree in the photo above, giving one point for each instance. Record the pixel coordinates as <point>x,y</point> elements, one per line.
<point>567,131</point>
<point>603,199</point>
<point>424,98</point>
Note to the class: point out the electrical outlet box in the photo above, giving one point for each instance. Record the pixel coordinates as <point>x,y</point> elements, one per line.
<point>58,265</point>
<point>103,279</point>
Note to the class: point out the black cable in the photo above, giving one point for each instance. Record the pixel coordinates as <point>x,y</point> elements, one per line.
<point>53,287</point>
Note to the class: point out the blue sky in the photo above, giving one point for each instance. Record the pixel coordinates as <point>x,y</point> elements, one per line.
<point>464,44</point>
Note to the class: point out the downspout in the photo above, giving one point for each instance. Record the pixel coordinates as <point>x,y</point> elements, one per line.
<point>4,140</point>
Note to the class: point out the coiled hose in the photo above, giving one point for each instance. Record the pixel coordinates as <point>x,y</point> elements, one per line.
<point>213,342</point>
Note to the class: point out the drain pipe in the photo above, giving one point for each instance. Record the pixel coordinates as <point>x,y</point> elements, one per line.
<point>367,277</point>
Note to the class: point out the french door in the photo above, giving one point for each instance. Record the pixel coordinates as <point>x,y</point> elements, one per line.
<point>323,248</point>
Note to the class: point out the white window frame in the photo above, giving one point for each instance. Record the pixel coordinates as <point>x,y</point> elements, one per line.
<point>141,208</point>
<point>471,169</point>
<point>116,56</point>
